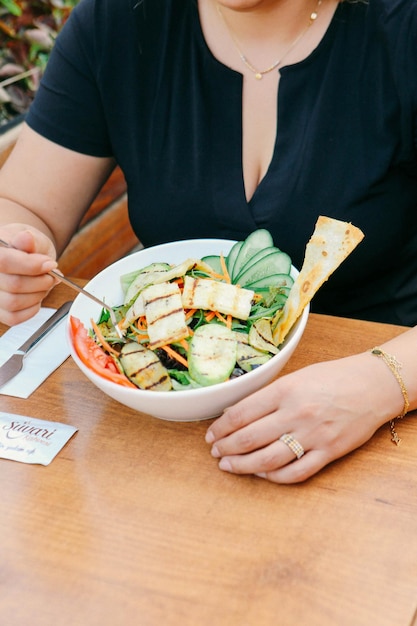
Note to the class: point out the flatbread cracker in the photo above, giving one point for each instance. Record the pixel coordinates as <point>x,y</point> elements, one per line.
<point>331,243</point>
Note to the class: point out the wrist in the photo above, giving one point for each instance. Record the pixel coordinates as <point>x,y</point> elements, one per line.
<point>395,368</point>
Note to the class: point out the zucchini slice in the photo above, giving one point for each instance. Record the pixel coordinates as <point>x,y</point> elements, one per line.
<point>212,354</point>
<point>260,336</point>
<point>143,368</point>
<point>143,278</point>
<point>248,357</point>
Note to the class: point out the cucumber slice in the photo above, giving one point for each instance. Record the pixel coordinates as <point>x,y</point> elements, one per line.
<point>258,240</point>
<point>272,280</point>
<point>212,354</point>
<point>257,257</point>
<point>232,256</point>
<point>214,261</point>
<point>274,263</point>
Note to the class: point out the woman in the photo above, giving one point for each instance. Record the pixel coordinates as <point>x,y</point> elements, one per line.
<point>183,96</point>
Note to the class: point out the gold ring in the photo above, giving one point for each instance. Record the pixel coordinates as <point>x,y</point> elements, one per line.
<point>294,445</point>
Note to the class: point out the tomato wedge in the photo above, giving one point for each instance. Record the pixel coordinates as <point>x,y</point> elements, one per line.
<point>93,356</point>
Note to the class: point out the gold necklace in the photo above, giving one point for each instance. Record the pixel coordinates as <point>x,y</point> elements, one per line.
<point>260,73</point>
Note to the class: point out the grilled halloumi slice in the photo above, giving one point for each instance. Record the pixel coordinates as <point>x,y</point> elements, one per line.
<point>212,295</point>
<point>164,312</point>
<point>156,273</point>
<point>151,276</point>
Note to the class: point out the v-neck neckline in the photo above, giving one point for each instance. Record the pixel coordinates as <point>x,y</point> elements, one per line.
<point>233,75</point>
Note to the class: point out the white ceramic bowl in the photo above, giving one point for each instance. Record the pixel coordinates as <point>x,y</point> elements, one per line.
<point>182,406</point>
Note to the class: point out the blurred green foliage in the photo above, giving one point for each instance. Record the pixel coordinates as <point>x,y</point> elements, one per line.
<point>28,29</point>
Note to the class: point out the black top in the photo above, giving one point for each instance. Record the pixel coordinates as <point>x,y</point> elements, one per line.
<point>135,79</point>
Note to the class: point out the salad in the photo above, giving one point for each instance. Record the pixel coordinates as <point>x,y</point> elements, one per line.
<point>195,324</point>
<point>207,320</point>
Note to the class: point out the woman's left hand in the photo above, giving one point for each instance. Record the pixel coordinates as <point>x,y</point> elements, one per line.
<point>330,408</point>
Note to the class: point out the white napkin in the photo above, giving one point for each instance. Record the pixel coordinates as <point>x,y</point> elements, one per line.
<point>41,361</point>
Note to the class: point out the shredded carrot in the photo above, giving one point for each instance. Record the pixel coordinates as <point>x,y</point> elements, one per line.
<point>214,274</point>
<point>226,274</point>
<point>172,353</point>
<point>141,323</point>
<point>102,340</point>
<point>184,344</point>
<point>220,317</point>
<point>190,313</point>
<point>210,315</point>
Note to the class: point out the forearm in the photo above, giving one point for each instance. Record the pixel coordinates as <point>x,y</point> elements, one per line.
<point>49,187</point>
<point>16,218</point>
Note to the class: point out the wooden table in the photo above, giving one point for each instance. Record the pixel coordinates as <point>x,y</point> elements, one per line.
<point>132,524</point>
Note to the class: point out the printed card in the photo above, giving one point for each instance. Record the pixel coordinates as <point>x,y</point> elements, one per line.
<point>31,440</point>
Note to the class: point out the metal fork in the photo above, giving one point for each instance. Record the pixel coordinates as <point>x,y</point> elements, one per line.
<point>74,286</point>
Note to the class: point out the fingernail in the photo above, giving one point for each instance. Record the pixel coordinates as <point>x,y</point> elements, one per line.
<point>48,265</point>
<point>225,465</point>
<point>261,475</point>
<point>215,452</point>
<point>209,436</point>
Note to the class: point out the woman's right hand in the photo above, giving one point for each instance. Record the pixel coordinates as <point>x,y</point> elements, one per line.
<point>24,278</point>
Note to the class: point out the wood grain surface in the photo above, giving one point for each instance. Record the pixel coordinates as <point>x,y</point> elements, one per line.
<point>132,524</point>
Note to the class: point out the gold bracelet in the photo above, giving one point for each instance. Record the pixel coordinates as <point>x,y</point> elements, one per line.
<point>395,367</point>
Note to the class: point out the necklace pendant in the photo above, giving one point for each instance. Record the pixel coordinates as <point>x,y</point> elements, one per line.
<point>260,73</point>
